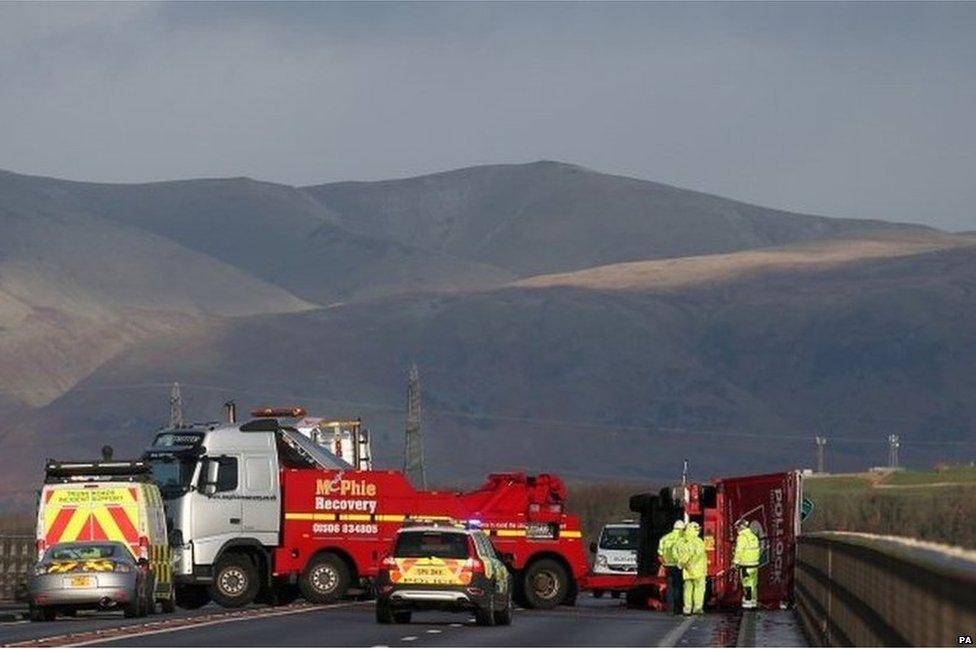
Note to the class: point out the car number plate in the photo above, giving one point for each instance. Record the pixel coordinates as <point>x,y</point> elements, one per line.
<point>81,582</point>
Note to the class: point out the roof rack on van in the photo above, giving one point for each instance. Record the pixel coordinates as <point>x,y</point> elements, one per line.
<point>97,471</point>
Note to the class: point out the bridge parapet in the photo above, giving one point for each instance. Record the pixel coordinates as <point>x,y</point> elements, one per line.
<point>857,589</point>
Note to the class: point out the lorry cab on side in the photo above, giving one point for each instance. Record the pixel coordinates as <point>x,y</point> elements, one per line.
<point>113,501</point>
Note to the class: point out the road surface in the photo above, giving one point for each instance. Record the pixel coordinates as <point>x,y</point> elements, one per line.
<point>592,623</point>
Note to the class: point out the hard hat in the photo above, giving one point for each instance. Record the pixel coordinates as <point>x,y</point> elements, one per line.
<point>679,524</point>
<point>743,523</point>
<point>693,525</point>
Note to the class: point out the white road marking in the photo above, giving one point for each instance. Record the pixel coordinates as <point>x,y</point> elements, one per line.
<point>456,625</point>
<point>672,638</point>
<point>13,623</point>
<point>236,618</point>
<point>408,638</point>
<point>433,631</point>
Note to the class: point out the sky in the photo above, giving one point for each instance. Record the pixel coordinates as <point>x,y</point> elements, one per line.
<point>864,110</point>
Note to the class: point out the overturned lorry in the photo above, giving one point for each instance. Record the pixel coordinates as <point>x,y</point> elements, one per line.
<point>770,503</point>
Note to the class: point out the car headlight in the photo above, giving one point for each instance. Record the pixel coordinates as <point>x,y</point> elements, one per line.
<point>121,566</point>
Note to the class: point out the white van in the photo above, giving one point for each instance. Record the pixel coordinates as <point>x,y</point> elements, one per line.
<point>109,501</point>
<point>616,551</point>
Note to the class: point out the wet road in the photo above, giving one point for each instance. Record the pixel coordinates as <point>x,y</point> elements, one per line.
<point>591,623</point>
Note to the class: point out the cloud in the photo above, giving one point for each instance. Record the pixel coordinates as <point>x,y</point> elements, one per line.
<point>846,110</point>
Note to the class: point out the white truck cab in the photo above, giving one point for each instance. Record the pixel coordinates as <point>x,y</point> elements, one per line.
<point>221,492</point>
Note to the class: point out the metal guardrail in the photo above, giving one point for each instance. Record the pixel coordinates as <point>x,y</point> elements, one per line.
<point>867,590</point>
<point>16,558</point>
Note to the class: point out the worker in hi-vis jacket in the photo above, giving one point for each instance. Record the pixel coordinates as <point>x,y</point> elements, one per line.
<point>745,558</point>
<point>666,556</point>
<point>690,551</point>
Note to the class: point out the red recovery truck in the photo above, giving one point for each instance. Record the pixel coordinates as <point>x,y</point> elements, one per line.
<point>354,515</point>
<point>256,508</point>
<point>771,504</point>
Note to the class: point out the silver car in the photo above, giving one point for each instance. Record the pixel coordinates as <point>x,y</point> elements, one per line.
<point>88,575</point>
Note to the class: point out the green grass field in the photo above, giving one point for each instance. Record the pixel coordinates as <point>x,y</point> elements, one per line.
<point>938,505</point>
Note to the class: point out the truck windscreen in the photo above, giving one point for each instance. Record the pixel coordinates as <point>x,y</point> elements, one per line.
<point>620,538</point>
<point>171,472</point>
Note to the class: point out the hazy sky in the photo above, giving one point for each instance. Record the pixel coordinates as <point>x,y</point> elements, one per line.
<point>863,110</point>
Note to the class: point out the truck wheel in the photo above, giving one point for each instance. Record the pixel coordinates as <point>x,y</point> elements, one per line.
<point>235,581</point>
<point>546,584</point>
<point>325,580</point>
<point>192,597</point>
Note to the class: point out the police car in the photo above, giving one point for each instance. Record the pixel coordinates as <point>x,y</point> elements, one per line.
<point>447,568</point>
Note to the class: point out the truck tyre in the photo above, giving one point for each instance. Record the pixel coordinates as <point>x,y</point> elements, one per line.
<point>236,581</point>
<point>192,597</point>
<point>384,614</point>
<point>545,583</point>
<point>325,579</point>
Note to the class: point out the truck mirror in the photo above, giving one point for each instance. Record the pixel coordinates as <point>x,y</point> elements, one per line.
<point>593,547</point>
<point>209,482</point>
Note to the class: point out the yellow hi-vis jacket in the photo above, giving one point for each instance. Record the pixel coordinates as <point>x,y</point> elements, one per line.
<point>690,551</point>
<point>746,553</point>
<point>665,548</point>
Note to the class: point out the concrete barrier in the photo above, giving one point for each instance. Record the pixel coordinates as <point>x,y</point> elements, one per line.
<point>867,590</point>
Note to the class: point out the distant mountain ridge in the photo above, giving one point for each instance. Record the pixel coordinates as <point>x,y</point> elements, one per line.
<point>563,319</point>
<point>549,216</point>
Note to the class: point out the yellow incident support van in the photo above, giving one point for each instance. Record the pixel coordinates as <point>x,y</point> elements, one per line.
<point>108,501</point>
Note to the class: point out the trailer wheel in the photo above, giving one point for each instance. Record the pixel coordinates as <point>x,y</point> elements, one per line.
<point>191,597</point>
<point>545,584</point>
<point>325,579</point>
<point>236,581</point>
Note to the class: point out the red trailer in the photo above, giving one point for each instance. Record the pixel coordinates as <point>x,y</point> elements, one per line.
<point>770,502</point>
